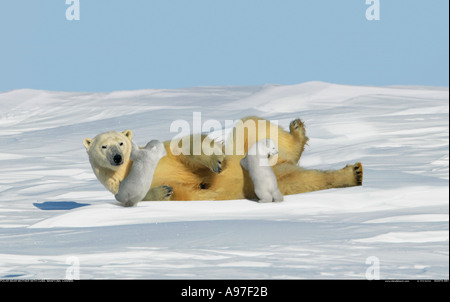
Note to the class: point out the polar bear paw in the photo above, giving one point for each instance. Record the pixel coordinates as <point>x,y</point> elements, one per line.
<point>297,129</point>
<point>358,173</point>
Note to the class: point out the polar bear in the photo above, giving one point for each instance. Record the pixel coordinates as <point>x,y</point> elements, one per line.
<point>256,162</point>
<point>217,176</point>
<point>136,185</point>
<point>109,155</point>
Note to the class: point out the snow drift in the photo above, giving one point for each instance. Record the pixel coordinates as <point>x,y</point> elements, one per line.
<point>52,208</point>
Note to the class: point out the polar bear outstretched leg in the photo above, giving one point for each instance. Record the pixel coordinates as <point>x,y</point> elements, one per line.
<point>293,179</point>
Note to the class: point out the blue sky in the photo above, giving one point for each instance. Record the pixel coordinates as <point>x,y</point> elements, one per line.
<point>139,44</point>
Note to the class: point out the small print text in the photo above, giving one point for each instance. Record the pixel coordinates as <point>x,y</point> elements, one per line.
<point>231,291</point>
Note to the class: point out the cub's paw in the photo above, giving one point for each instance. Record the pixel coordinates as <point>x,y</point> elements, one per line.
<point>277,196</point>
<point>128,204</point>
<point>215,163</point>
<point>159,193</point>
<point>218,168</point>
<point>167,191</point>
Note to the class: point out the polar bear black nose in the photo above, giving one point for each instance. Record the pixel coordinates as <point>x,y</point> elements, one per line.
<point>117,159</point>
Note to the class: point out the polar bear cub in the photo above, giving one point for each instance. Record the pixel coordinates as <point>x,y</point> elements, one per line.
<point>136,185</point>
<point>256,162</point>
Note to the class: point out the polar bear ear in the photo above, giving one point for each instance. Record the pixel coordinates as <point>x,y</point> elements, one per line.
<point>128,133</point>
<point>87,143</point>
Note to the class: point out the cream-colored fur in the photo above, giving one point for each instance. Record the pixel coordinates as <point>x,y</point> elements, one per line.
<point>107,144</point>
<point>136,185</point>
<point>256,163</point>
<point>220,176</point>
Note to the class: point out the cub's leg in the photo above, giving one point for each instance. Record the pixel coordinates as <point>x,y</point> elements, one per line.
<point>159,193</point>
<point>210,155</point>
<point>213,162</point>
<point>293,179</point>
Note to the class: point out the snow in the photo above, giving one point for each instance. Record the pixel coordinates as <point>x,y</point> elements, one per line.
<point>53,210</point>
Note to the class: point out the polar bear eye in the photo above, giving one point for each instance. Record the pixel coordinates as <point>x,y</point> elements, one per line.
<point>120,144</point>
<point>104,147</point>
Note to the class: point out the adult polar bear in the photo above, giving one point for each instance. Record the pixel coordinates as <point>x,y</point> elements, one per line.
<point>216,176</point>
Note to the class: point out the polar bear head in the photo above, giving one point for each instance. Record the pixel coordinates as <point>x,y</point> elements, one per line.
<point>264,148</point>
<point>265,151</point>
<point>267,147</point>
<point>109,150</point>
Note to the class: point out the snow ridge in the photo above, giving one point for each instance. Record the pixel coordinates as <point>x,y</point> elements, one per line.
<point>52,207</point>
